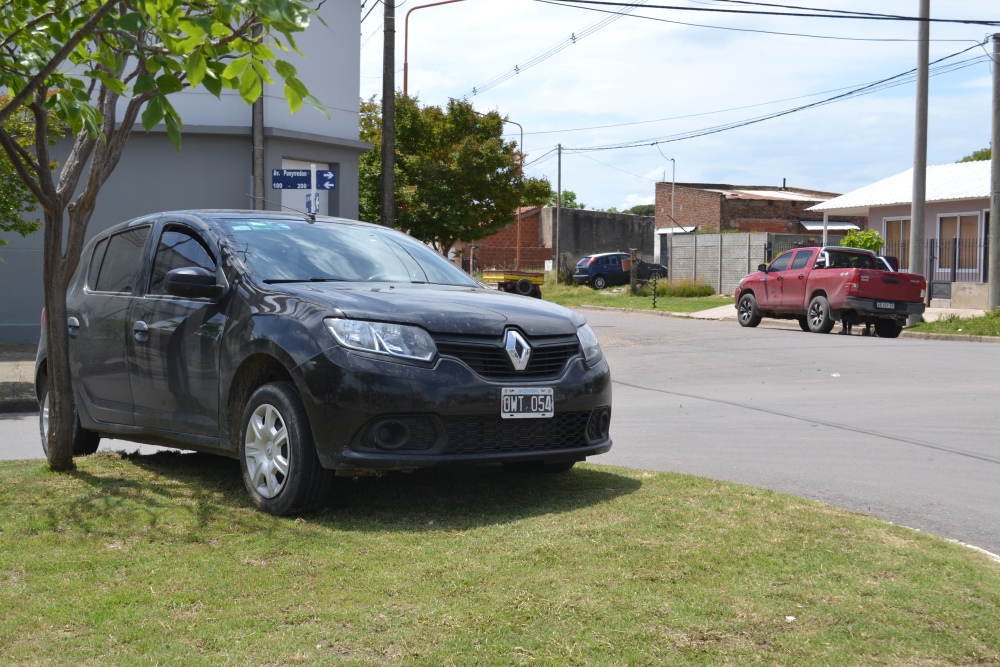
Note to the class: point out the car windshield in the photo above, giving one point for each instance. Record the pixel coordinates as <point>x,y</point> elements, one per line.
<point>288,250</point>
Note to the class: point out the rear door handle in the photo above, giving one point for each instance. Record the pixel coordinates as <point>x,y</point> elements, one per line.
<point>73,325</point>
<point>141,331</point>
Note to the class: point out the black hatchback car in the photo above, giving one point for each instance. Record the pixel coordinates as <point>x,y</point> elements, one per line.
<point>608,268</point>
<point>304,348</point>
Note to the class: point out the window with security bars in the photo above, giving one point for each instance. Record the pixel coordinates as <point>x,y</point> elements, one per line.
<point>897,241</point>
<point>955,234</point>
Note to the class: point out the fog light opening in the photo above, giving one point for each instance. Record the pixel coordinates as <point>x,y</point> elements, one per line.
<point>390,434</point>
<point>599,425</point>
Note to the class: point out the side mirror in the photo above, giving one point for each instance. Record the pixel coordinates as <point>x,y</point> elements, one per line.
<point>762,267</point>
<point>193,282</point>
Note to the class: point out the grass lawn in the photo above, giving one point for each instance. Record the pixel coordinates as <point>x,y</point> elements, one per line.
<point>987,325</point>
<point>573,296</point>
<point>161,560</point>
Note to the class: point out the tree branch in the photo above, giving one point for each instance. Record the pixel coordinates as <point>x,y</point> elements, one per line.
<point>38,80</point>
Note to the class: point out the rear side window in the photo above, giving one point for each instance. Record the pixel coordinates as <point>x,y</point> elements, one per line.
<point>122,261</point>
<point>801,259</point>
<point>95,263</point>
<point>178,249</point>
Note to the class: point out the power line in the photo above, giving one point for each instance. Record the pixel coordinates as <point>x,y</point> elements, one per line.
<point>553,50</point>
<point>652,180</point>
<point>562,3</point>
<point>883,84</point>
<point>853,16</point>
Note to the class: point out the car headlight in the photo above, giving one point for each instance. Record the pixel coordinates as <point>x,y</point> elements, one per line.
<point>394,340</point>
<point>588,342</point>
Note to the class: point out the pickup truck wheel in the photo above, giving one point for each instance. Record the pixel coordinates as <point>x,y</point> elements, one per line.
<point>888,328</point>
<point>747,311</point>
<point>599,282</point>
<point>84,442</point>
<point>818,315</point>
<point>277,454</point>
<point>803,322</point>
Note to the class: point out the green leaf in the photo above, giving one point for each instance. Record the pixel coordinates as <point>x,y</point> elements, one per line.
<point>294,99</point>
<point>168,83</point>
<point>284,69</point>
<point>131,22</point>
<point>236,68</point>
<point>250,86</point>
<point>316,104</point>
<point>196,67</point>
<point>145,84</point>
<point>262,72</point>
<point>192,27</point>
<point>153,113</point>
<point>174,130</point>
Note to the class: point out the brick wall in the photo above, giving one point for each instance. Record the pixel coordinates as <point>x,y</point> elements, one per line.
<point>693,207</point>
<point>500,250</point>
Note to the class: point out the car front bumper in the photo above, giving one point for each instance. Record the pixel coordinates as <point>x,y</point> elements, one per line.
<point>448,413</point>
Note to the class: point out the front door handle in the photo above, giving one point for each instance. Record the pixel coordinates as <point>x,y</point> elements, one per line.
<point>141,331</point>
<point>74,326</point>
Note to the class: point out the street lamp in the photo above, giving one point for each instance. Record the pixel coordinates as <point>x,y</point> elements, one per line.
<point>406,38</point>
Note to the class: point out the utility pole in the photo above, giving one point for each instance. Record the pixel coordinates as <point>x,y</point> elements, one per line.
<point>257,142</point>
<point>388,203</point>
<point>992,239</point>
<point>918,206</point>
<point>558,209</point>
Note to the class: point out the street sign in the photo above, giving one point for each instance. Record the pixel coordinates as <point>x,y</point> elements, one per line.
<point>299,179</point>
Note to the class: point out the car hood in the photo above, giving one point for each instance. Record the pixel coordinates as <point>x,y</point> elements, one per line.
<point>443,308</point>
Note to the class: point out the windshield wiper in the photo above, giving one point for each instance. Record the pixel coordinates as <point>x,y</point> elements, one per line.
<point>278,281</point>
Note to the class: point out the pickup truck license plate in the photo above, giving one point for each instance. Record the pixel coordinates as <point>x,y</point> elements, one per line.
<point>526,402</point>
<point>888,305</point>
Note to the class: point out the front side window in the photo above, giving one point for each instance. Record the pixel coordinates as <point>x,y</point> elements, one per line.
<point>780,262</point>
<point>289,250</point>
<point>177,249</point>
<point>95,263</point>
<point>122,261</point>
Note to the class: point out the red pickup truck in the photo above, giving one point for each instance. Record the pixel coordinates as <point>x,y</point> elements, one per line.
<point>820,286</point>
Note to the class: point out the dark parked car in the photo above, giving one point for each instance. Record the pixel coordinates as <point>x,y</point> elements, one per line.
<point>607,268</point>
<point>303,348</point>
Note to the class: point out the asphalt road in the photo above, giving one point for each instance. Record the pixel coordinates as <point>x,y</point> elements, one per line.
<point>906,430</point>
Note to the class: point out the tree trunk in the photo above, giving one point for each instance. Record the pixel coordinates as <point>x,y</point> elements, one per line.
<point>61,418</point>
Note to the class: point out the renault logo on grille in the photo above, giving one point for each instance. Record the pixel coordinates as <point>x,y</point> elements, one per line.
<point>517,349</point>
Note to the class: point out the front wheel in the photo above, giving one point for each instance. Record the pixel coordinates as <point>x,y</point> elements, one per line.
<point>818,315</point>
<point>888,328</point>
<point>747,311</point>
<point>84,442</point>
<point>277,454</point>
<point>599,282</point>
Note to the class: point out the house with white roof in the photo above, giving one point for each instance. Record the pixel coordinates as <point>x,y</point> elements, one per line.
<point>957,218</point>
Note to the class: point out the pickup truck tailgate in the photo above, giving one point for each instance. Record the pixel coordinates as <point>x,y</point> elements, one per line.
<point>889,286</point>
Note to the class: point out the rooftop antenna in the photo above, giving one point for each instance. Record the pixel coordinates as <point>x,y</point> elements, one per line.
<point>310,216</point>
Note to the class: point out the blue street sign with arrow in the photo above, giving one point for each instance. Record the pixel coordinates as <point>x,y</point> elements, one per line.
<point>299,179</point>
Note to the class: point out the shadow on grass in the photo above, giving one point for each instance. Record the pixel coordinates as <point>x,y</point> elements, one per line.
<point>439,498</point>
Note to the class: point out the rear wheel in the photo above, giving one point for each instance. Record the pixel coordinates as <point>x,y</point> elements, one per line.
<point>277,454</point>
<point>818,315</point>
<point>803,322</point>
<point>888,328</point>
<point>747,311</point>
<point>84,442</point>
<point>599,282</point>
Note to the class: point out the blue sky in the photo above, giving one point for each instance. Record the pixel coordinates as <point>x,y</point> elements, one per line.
<point>634,70</point>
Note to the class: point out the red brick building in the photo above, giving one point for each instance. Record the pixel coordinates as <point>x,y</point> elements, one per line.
<point>500,250</point>
<point>715,207</point>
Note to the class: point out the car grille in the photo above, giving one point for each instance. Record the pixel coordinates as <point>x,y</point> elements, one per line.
<point>487,435</point>
<point>490,360</point>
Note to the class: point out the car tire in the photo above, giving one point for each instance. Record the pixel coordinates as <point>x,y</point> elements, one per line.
<point>540,467</point>
<point>803,322</point>
<point>888,328</point>
<point>599,282</point>
<point>84,441</point>
<point>818,316</point>
<point>747,311</point>
<point>278,455</point>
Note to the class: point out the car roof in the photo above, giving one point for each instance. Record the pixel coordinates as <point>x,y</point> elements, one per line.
<point>211,215</point>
